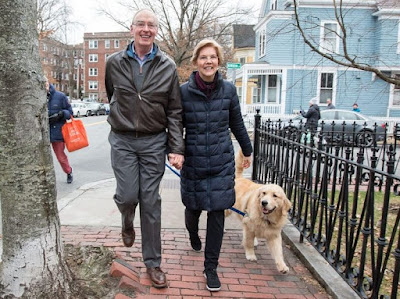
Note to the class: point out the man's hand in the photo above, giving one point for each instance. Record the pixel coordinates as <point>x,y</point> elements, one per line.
<point>176,160</point>
<point>246,162</point>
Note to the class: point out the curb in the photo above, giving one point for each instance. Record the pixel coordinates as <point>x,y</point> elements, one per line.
<point>317,265</point>
<point>66,200</point>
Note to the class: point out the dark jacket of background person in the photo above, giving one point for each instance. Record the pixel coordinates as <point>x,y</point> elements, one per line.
<point>57,102</point>
<point>147,110</point>
<point>208,173</point>
<point>312,115</point>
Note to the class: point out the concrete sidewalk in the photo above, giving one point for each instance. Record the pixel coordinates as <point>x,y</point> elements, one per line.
<point>89,217</point>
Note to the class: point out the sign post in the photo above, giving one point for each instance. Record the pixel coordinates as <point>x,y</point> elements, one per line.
<point>233,66</point>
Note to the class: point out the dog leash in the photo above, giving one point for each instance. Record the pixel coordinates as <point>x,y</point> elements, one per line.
<point>232,208</point>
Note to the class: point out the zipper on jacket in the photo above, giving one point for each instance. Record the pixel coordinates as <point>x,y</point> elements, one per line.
<point>140,97</point>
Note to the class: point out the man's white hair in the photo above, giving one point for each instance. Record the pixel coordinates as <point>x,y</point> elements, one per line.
<point>314,101</point>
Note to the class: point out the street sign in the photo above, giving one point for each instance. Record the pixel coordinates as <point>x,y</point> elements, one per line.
<point>233,65</point>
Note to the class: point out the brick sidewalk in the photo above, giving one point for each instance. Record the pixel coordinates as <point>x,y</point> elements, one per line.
<point>240,278</point>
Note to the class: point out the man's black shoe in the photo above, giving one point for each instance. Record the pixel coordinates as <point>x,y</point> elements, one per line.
<point>70,178</point>
<point>128,237</point>
<point>195,242</point>
<point>213,283</point>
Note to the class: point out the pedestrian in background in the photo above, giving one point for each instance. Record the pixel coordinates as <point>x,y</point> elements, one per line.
<point>355,108</point>
<point>330,105</point>
<point>146,118</point>
<point>211,111</point>
<point>312,115</point>
<point>59,110</point>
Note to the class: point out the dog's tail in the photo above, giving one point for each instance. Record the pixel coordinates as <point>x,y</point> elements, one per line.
<point>239,164</point>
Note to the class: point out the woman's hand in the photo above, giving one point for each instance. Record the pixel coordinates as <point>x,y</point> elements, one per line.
<point>176,160</point>
<point>246,162</point>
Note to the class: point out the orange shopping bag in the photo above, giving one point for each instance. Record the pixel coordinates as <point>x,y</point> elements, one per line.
<point>74,134</point>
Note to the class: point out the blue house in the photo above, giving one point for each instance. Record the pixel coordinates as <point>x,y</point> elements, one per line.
<point>289,72</point>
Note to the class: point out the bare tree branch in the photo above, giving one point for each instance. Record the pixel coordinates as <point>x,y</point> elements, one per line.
<point>345,59</point>
<point>183,23</point>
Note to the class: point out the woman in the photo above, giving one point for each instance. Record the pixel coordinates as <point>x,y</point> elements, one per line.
<point>211,111</point>
<point>59,110</point>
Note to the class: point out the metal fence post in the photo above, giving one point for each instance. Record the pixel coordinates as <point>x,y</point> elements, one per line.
<point>256,144</point>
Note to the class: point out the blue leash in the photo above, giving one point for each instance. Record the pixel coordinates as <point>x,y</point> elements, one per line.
<point>179,175</point>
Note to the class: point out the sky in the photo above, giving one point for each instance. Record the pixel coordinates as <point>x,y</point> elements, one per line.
<point>85,12</point>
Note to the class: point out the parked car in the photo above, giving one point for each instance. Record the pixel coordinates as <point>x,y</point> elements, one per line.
<point>79,109</point>
<point>342,126</point>
<point>96,108</point>
<point>107,106</point>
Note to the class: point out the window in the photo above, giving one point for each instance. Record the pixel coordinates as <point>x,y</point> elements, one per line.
<point>93,96</point>
<point>256,95</point>
<point>274,4</point>
<point>44,47</point>
<point>93,71</point>
<point>329,42</point>
<point>272,89</point>
<point>75,77</point>
<point>116,43</point>
<point>66,76</point>
<point>398,39</point>
<point>93,58</point>
<point>397,77</point>
<point>93,44</point>
<point>107,55</point>
<point>93,84</point>
<point>242,60</point>
<point>326,87</point>
<point>396,92</point>
<point>107,44</point>
<point>261,43</point>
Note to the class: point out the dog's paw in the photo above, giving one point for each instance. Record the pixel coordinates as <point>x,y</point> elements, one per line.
<point>283,268</point>
<point>251,257</point>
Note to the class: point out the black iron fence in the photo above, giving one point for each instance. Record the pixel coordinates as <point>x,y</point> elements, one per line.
<point>345,197</point>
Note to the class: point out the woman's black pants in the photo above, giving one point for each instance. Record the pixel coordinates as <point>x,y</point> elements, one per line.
<point>214,234</point>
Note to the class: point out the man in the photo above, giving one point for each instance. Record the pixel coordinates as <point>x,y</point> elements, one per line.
<point>330,105</point>
<point>59,109</point>
<point>312,115</point>
<point>355,108</point>
<point>143,90</point>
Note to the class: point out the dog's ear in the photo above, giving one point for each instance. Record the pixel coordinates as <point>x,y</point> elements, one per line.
<point>260,192</point>
<point>287,205</point>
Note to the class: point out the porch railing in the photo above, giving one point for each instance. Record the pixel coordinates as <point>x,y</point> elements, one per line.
<point>349,211</point>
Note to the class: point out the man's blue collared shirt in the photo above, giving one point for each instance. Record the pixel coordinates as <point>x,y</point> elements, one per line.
<point>148,56</point>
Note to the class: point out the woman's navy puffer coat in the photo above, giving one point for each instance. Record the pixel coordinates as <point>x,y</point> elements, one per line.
<point>208,173</point>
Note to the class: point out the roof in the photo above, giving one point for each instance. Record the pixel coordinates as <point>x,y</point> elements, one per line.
<point>243,36</point>
<point>388,3</point>
<point>92,35</point>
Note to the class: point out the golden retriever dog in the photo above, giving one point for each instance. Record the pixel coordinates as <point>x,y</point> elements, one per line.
<point>266,208</point>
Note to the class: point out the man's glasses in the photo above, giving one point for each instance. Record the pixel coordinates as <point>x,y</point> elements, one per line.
<point>142,25</point>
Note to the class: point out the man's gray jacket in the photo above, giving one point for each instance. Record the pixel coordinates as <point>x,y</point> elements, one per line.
<point>152,109</point>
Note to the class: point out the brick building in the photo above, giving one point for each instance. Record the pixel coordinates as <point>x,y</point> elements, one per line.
<point>62,64</point>
<point>97,47</point>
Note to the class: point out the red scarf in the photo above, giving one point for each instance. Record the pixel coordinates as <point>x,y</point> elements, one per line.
<point>206,87</point>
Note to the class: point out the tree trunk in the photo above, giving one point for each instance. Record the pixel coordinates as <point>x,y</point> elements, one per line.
<point>33,265</point>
